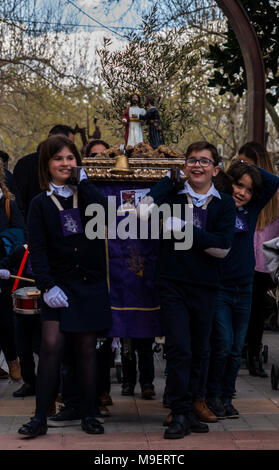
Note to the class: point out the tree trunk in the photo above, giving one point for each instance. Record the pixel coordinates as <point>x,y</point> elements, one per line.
<point>273,114</point>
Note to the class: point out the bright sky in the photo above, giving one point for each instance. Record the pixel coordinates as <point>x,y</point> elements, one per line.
<point>120,13</point>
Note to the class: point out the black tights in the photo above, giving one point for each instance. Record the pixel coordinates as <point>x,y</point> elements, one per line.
<point>49,368</point>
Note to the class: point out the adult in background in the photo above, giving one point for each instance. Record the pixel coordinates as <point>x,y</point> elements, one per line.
<point>267,228</point>
<point>9,178</point>
<point>70,271</point>
<point>94,147</point>
<point>26,171</point>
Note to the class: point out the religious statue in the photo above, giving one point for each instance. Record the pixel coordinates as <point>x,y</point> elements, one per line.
<point>152,118</point>
<point>132,120</point>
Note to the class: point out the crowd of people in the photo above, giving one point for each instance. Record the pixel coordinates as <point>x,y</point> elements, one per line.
<point>211,295</point>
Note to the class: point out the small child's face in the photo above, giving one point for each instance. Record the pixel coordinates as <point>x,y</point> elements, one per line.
<point>243,190</point>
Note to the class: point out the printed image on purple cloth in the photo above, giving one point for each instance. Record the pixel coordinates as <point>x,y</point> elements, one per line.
<point>132,266</point>
<point>199,217</point>
<point>71,222</point>
<point>241,224</point>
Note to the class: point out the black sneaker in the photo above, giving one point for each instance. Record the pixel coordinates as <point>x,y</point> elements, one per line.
<point>26,390</point>
<point>195,424</point>
<point>217,407</point>
<point>66,416</point>
<point>231,411</point>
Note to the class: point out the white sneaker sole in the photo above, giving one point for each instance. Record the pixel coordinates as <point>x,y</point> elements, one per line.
<point>63,424</point>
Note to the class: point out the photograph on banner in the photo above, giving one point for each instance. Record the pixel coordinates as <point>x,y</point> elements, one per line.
<point>129,199</point>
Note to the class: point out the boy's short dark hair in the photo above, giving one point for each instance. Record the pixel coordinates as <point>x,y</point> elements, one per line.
<point>239,168</point>
<point>204,145</point>
<point>61,129</point>
<point>48,148</point>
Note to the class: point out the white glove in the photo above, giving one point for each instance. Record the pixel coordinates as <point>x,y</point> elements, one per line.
<point>181,174</point>
<point>173,224</point>
<point>56,298</point>
<point>4,274</point>
<point>82,175</point>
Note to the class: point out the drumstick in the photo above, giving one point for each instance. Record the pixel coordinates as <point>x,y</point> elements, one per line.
<point>22,278</point>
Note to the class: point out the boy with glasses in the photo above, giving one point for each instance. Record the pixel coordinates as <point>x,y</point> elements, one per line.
<point>188,283</point>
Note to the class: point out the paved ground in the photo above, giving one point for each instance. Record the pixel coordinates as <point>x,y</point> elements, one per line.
<point>136,424</point>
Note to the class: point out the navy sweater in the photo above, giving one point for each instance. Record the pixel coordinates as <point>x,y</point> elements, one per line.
<point>238,266</point>
<point>195,266</point>
<point>16,220</point>
<point>55,257</point>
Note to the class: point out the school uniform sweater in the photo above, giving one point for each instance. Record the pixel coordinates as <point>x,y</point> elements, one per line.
<point>238,266</point>
<point>196,266</point>
<point>55,257</point>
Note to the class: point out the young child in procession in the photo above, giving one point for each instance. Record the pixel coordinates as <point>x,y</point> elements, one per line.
<point>252,188</point>
<point>188,282</point>
<point>70,272</point>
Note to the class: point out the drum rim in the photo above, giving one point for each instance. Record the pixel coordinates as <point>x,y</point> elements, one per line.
<point>34,311</point>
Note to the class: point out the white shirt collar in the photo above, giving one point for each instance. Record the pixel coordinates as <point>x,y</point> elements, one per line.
<point>1,193</point>
<point>65,191</point>
<point>189,190</point>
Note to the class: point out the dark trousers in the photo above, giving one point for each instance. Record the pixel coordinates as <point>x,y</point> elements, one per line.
<point>69,373</point>
<point>7,327</point>
<point>262,282</point>
<point>104,359</point>
<point>28,335</point>
<point>143,346</point>
<point>188,312</point>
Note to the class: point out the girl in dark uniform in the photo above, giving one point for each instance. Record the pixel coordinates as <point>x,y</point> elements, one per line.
<point>70,271</point>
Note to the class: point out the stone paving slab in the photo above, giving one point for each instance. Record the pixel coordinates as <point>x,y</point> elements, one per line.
<point>136,424</point>
<point>254,440</point>
<point>256,406</point>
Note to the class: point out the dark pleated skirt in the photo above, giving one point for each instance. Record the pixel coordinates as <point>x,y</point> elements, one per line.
<point>89,307</point>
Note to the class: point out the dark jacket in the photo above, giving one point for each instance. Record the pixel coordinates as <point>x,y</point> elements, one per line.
<point>55,257</point>
<point>238,266</point>
<point>195,265</point>
<point>26,174</point>
<point>11,184</point>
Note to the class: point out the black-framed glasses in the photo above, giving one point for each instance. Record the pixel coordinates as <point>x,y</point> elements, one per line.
<point>93,154</point>
<point>203,162</point>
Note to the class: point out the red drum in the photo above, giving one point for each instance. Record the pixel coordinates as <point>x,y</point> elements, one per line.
<point>27,300</point>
